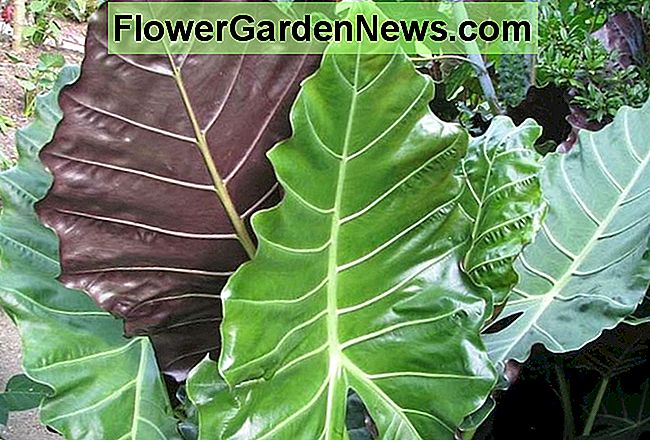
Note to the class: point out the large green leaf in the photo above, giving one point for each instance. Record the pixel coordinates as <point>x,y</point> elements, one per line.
<point>357,282</point>
<point>105,386</point>
<point>583,274</point>
<point>503,198</point>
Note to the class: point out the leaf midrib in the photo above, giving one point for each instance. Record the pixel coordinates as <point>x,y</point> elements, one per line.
<point>334,348</point>
<point>482,199</point>
<point>337,360</point>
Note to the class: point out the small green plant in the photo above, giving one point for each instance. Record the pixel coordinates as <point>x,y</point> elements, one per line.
<point>43,26</point>
<point>44,15</point>
<point>81,9</point>
<point>513,76</point>
<point>40,79</point>
<point>21,394</point>
<point>6,123</point>
<point>571,57</point>
<point>5,161</point>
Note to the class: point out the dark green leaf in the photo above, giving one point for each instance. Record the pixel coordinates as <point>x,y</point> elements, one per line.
<point>624,415</point>
<point>22,393</point>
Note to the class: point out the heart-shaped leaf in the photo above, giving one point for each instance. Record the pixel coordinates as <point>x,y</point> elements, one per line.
<point>148,147</point>
<point>21,394</point>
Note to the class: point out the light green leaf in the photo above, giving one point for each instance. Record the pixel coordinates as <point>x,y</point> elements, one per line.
<point>582,273</point>
<point>357,283</point>
<point>37,6</point>
<point>504,199</point>
<point>105,386</point>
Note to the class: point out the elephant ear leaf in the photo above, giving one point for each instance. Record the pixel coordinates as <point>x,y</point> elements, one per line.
<point>105,386</point>
<point>584,271</point>
<point>504,200</point>
<point>357,283</point>
<point>148,147</point>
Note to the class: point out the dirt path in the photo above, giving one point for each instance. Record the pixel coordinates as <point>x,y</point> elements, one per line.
<point>11,94</point>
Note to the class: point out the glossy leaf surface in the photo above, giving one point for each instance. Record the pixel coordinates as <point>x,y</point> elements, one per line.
<point>504,199</point>
<point>141,227</point>
<point>357,283</point>
<point>209,393</point>
<point>583,272</point>
<point>106,386</point>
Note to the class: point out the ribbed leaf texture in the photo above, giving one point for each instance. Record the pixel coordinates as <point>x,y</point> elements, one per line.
<point>357,282</point>
<point>106,386</point>
<point>616,352</point>
<point>142,229</point>
<point>585,271</point>
<point>504,199</point>
<point>624,413</point>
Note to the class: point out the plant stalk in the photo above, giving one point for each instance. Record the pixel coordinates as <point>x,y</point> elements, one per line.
<point>450,57</point>
<point>565,396</point>
<point>596,406</point>
<point>531,61</point>
<point>479,64</point>
<point>220,187</point>
<point>18,24</point>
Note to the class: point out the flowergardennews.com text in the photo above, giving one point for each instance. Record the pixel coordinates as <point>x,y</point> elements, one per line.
<point>233,27</point>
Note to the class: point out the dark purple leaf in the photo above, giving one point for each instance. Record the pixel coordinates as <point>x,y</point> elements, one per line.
<point>578,120</point>
<point>624,33</point>
<point>141,228</point>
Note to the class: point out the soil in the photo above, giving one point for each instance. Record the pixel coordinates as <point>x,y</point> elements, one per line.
<point>25,425</point>
<point>70,45</point>
<point>22,425</point>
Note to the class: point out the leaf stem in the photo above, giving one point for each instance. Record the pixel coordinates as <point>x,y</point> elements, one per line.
<point>18,24</point>
<point>480,67</point>
<point>596,405</point>
<point>220,187</point>
<point>565,396</point>
<point>479,64</point>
